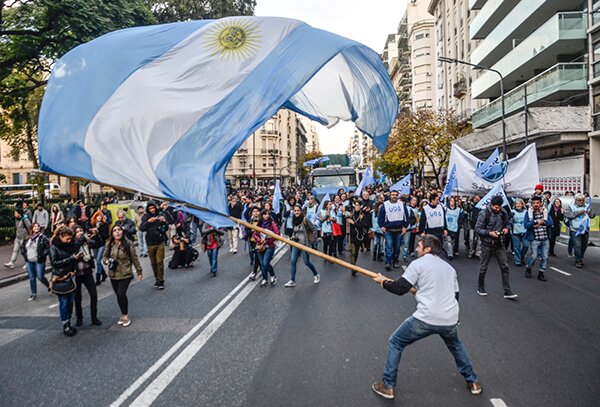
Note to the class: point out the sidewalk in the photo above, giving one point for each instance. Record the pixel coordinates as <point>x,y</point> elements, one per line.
<point>16,274</point>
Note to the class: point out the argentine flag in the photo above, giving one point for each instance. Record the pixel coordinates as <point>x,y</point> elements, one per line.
<point>402,186</point>
<point>162,109</point>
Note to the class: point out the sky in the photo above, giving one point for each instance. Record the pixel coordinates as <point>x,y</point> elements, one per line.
<point>368,22</point>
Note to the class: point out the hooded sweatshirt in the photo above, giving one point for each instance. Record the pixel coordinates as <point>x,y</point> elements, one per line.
<point>156,232</point>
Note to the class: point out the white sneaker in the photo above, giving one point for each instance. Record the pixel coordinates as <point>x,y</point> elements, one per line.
<point>273,280</point>
<point>32,297</point>
<point>126,321</point>
<point>10,265</point>
<point>317,279</point>
<point>24,266</point>
<point>290,283</point>
<point>264,283</point>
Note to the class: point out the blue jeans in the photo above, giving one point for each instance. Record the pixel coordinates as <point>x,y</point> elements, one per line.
<point>538,247</point>
<point>36,270</point>
<point>65,306</point>
<point>411,330</point>
<point>520,247</point>
<point>265,262</point>
<point>141,238</point>
<point>580,244</point>
<point>305,257</point>
<point>98,253</point>
<point>378,243</point>
<point>406,239</point>
<point>393,242</point>
<point>213,256</point>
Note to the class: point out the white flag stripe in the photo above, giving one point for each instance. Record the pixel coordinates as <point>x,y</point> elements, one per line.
<point>151,102</point>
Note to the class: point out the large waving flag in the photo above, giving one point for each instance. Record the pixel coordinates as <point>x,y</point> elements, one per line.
<point>488,165</point>
<point>451,184</point>
<point>162,109</point>
<point>316,161</point>
<point>402,186</point>
<point>497,190</point>
<point>366,180</point>
<point>277,198</point>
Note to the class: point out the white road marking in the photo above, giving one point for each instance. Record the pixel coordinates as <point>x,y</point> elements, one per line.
<point>498,403</point>
<point>561,272</point>
<point>157,386</point>
<point>9,335</point>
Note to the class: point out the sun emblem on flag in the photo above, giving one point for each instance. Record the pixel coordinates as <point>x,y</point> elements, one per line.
<point>234,39</point>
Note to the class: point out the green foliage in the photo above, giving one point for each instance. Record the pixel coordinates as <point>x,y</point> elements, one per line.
<point>421,138</point>
<point>183,10</point>
<point>34,34</point>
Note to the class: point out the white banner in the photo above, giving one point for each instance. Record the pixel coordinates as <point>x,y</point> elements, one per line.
<point>517,176</point>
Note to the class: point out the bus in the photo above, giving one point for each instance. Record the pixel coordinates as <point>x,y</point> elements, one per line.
<point>332,178</point>
<point>51,190</point>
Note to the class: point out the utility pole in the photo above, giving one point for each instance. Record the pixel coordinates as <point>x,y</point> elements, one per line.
<point>485,68</point>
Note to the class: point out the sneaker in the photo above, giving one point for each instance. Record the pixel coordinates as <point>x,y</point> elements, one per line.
<point>32,297</point>
<point>396,265</point>
<point>24,267</point>
<point>264,283</point>
<point>509,295</point>
<point>290,283</point>
<point>68,330</point>
<point>234,251</point>
<point>121,319</point>
<point>404,259</point>
<point>481,291</point>
<point>79,323</point>
<point>579,265</point>
<point>9,265</point>
<point>317,279</point>
<point>96,322</point>
<point>383,391</point>
<point>156,284</point>
<point>474,388</point>
<point>388,267</point>
<point>252,276</point>
<point>161,285</point>
<point>273,280</point>
<point>126,321</point>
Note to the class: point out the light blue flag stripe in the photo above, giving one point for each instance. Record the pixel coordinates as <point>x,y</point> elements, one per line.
<point>66,113</point>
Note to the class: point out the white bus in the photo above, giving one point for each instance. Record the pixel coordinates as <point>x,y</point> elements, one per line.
<point>51,190</point>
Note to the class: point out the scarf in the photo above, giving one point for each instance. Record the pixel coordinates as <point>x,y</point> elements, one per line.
<point>297,220</point>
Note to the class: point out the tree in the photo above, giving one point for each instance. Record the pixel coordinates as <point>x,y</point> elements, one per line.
<point>183,10</point>
<point>421,138</point>
<point>33,35</point>
<point>303,171</point>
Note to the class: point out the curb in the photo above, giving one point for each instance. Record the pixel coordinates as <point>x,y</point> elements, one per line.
<point>18,278</point>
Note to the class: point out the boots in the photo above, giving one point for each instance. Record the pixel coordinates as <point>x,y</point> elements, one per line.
<point>541,276</point>
<point>68,330</point>
<point>98,282</point>
<point>374,256</point>
<point>104,276</point>
<point>527,272</point>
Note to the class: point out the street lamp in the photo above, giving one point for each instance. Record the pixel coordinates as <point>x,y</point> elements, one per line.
<point>485,68</point>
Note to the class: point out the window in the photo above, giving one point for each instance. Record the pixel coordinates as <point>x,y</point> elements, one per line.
<point>16,178</point>
<point>597,104</point>
<point>421,35</point>
<point>597,51</point>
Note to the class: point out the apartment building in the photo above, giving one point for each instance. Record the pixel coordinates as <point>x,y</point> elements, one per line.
<point>594,87</point>
<point>270,153</point>
<point>540,49</point>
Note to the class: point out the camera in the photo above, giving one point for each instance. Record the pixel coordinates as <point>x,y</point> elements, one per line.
<point>294,239</point>
<point>112,264</point>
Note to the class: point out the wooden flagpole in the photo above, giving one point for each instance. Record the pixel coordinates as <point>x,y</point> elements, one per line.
<point>256,228</point>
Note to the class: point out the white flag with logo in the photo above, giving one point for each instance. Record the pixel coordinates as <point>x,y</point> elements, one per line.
<point>517,176</point>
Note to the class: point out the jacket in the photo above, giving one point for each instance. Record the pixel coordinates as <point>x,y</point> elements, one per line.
<point>62,256</point>
<point>129,228</point>
<point>488,221</point>
<point>43,248</point>
<point>530,222</point>
<point>218,235</point>
<point>23,225</point>
<point>260,238</point>
<point>557,219</point>
<point>125,260</point>
<point>156,232</point>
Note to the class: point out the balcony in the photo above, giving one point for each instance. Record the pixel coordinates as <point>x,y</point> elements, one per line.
<point>405,80</point>
<point>490,15</point>
<point>557,83</point>
<point>525,18</point>
<point>563,34</point>
<point>460,88</point>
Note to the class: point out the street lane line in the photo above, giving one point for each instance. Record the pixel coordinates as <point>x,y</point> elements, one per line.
<point>151,392</point>
<point>498,403</point>
<point>561,272</point>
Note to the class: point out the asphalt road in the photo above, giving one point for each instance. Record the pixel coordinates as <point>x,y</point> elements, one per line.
<point>227,342</point>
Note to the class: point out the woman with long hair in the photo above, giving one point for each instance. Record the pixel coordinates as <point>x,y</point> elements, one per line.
<point>557,213</point>
<point>119,257</point>
<point>35,250</point>
<point>359,227</point>
<point>84,275</point>
<point>57,218</point>
<point>265,246</point>
<point>303,231</point>
<point>64,255</point>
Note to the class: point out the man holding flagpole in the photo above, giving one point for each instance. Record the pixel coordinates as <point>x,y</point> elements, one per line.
<point>579,215</point>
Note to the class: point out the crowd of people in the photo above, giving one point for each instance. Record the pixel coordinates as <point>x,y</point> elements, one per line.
<point>86,245</point>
